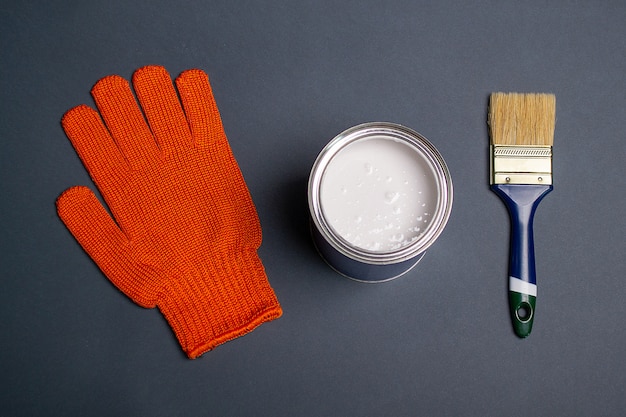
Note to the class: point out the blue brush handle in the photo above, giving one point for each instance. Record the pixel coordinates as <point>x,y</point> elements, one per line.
<point>521,202</point>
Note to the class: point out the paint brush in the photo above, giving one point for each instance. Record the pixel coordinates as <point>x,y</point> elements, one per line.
<point>522,133</point>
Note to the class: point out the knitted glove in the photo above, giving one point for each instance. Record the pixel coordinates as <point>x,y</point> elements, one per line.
<point>184,233</point>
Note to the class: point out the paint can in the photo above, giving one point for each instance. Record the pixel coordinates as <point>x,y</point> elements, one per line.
<point>379,195</point>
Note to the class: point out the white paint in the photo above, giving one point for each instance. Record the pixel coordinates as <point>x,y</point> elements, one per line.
<point>379,194</point>
<point>523,287</point>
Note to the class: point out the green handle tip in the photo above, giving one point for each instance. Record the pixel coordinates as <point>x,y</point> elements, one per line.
<point>522,312</point>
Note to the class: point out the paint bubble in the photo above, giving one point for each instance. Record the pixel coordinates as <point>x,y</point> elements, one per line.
<point>391,197</point>
<point>398,237</point>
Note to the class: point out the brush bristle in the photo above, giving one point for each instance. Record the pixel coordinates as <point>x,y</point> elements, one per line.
<point>522,119</point>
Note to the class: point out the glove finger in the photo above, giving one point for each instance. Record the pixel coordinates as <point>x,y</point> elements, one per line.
<point>123,117</point>
<point>202,113</point>
<point>161,106</point>
<point>206,126</point>
<point>94,145</point>
<point>105,243</point>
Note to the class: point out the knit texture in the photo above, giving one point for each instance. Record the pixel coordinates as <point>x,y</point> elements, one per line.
<point>184,231</point>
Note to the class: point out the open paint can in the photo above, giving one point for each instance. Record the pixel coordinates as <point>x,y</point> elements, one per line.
<point>379,195</point>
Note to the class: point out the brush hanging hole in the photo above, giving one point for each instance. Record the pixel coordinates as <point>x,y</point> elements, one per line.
<point>524,312</point>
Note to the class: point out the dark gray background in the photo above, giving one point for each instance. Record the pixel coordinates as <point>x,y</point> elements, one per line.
<point>288,76</point>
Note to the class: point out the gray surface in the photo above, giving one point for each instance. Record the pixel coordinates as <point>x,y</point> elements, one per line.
<point>288,76</point>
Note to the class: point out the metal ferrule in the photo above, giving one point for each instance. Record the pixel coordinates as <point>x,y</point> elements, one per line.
<point>519,164</point>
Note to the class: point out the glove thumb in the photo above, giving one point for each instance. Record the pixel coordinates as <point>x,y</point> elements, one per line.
<point>99,235</point>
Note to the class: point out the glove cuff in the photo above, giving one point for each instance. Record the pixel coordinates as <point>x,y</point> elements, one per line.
<point>225,299</point>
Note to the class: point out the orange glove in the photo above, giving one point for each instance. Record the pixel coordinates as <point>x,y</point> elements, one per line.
<point>184,233</point>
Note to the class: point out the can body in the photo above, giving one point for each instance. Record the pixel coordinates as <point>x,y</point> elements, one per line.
<point>379,195</point>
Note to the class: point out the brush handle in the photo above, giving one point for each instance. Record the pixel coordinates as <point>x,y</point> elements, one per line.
<point>521,202</point>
